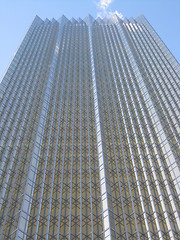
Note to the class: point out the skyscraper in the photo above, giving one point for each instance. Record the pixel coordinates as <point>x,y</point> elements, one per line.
<point>89,133</point>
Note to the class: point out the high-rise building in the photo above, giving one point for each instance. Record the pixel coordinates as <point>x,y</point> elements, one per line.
<point>89,133</point>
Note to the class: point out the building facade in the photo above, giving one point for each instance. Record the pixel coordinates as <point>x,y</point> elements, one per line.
<point>89,133</point>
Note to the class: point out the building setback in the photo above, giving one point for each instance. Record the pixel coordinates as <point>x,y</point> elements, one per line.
<point>89,133</point>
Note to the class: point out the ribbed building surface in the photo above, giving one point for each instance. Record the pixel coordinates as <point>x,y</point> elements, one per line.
<point>90,133</point>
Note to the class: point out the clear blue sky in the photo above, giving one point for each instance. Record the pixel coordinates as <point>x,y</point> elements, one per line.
<point>16,16</point>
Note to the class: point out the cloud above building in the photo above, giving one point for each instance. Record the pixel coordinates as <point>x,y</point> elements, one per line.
<point>103,9</point>
<point>104,4</point>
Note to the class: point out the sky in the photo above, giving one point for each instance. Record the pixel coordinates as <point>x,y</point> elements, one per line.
<point>17,15</point>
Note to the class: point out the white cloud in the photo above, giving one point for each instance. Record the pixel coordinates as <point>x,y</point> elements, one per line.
<point>116,13</point>
<point>102,6</point>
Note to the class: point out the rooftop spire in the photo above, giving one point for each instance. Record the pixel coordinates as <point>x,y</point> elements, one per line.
<point>89,20</point>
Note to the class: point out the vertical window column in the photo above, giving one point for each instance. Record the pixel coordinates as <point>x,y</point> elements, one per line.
<point>102,170</point>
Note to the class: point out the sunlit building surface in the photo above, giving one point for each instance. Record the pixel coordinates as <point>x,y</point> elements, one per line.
<point>89,133</point>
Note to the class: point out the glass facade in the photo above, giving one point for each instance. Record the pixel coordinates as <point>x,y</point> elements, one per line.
<point>89,133</point>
